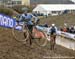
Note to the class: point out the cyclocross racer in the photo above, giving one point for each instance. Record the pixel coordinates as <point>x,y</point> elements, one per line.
<point>29,19</point>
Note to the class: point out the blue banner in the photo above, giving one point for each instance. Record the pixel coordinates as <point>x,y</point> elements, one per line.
<point>8,22</point>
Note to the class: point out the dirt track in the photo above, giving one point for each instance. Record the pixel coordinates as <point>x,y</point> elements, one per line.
<point>11,49</point>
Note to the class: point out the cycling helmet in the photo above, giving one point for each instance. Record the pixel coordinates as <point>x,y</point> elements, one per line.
<point>53,24</point>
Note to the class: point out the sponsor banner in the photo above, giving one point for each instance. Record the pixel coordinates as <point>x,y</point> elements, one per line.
<point>8,22</point>
<point>67,35</point>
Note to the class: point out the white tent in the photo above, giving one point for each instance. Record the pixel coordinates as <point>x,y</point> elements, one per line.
<point>49,8</point>
<point>73,1</point>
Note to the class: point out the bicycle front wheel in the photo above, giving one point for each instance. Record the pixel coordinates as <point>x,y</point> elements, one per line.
<point>20,35</point>
<point>41,41</point>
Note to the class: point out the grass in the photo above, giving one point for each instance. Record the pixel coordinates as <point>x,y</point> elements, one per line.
<point>59,20</point>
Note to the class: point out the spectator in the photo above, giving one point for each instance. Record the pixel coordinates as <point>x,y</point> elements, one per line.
<point>65,29</point>
<point>65,24</point>
<point>72,29</point>
<point>61,29</point>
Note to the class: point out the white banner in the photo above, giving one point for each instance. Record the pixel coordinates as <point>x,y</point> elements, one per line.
<point>67,35</point>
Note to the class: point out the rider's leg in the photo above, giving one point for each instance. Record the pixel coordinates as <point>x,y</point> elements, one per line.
<point>52,42</point>
<point>30,30</point>
<point>30,27</point>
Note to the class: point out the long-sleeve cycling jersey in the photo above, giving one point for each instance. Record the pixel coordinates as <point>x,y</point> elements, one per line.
<point>28,18</point>
<point>49,30</point>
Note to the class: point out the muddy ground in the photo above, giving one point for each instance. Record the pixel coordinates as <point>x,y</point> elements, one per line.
<point>12,49</point>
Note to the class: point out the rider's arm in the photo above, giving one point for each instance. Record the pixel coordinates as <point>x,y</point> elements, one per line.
<point>35,18</point>
<point>21,17</point>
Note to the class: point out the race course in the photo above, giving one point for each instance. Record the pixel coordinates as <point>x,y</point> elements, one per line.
<point>11,49</point>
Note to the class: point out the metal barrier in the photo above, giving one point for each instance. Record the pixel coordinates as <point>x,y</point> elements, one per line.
<point>65,42</point>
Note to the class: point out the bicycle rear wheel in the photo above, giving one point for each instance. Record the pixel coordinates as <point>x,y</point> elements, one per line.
<point>20,35</point>
<point>41,41</point>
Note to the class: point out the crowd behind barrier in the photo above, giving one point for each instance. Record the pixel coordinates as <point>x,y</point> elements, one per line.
<point>70,29</point>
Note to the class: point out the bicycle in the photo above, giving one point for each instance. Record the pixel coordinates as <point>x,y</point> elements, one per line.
<point>24,35</point>
<point>23,32</point>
